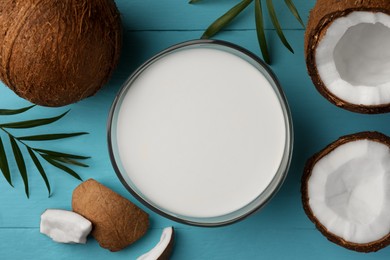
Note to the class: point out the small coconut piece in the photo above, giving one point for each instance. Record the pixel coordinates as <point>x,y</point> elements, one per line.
<point>117,223</point>
<point>55,53</point>
<point>346,191</point>
<point>348,55</point>
<point>164,248</point>
<point>65,226</point>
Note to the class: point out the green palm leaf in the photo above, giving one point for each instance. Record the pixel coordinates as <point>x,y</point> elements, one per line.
<point>33,123</point>
<point>294,11</point>
<point>70,161</point>
<point>58,154</point>
<point>275,22</point>
<point>7,112</point>
<point>4,163</point>
<point>40,169</point>
<point>61,166</point>
<point>54,158</point>
<point>260,31</point>
<point>225,19</point>
<point>49,137</point>
<point>20,163</point>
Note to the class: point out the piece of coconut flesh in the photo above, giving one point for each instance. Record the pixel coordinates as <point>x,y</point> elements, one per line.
<point>65,226</point>
<point>349,191</point>
<point>162,245</point>
<point>353,58</point>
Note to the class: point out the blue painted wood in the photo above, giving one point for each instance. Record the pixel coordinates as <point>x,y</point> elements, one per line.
<point>280,231</point>
<point>179,15</point>
<point>230,243</point>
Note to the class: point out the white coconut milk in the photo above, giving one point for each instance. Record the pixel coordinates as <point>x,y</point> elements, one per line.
<point>201,133</point>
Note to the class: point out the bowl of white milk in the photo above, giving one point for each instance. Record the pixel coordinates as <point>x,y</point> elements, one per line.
<point>201,133</point>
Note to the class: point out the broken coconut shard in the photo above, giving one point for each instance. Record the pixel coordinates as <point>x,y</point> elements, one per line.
<point>65,226</point>
<point>117,223</point>
<point>345,191</point>
<point>348,55</point>
<point>164,248</point>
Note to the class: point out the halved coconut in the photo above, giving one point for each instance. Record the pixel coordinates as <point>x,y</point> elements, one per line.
<point>346,191</point>
<point>348,55</point>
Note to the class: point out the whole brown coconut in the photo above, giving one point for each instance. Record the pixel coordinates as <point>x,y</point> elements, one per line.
<point>323,15</point>
<point>56,52</point>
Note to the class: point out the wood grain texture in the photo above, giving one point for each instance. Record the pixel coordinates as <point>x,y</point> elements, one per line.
<point>219,244</point>
<point>280,231</point>
<point>179,15</point>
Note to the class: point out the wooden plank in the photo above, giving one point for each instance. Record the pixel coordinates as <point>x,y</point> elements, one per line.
<point>280,231</point>
<point>179,15</point>
<point>222,243</point>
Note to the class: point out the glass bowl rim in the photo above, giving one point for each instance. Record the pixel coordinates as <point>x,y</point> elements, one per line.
<point>286,159</point>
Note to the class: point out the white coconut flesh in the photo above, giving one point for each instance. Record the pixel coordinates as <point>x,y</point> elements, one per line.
<point>159,249</point>
<point>353,58</point>
<point>349,191</point>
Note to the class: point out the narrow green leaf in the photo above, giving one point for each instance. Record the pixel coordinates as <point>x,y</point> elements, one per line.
<point>61,166</point>
<point>294,11</point>
<point>48,137</point>
<point>40,169</point>
<point>260,31</point>
<point>69,161</point>
<point>20,163</point>
<point>275,22</point>
<point>4,163</point>
<point>58,154</point>
<point>33,123</point>
<point>7,112</point>
<point>225,19</point>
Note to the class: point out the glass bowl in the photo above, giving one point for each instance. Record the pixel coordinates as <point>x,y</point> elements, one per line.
<point>132,135</point>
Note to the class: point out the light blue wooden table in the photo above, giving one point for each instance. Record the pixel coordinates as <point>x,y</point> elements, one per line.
<point>280,231</point>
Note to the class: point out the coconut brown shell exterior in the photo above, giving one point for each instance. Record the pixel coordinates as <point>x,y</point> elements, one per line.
<point>321,17</point>
<point>56,52</point>
<point>117,223</point>
<point>368,247</point>
<point>166,254</point>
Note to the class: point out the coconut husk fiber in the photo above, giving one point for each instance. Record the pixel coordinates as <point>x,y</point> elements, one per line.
<point>117,223</point>
<point>56,52</point>
<point>321,17</point>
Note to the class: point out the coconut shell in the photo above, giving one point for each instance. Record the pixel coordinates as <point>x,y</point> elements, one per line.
<point>166,254</point>
<point>117,223</point>
<point>367,247</point>
<point>321,17</point>
<point>55,52</point>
